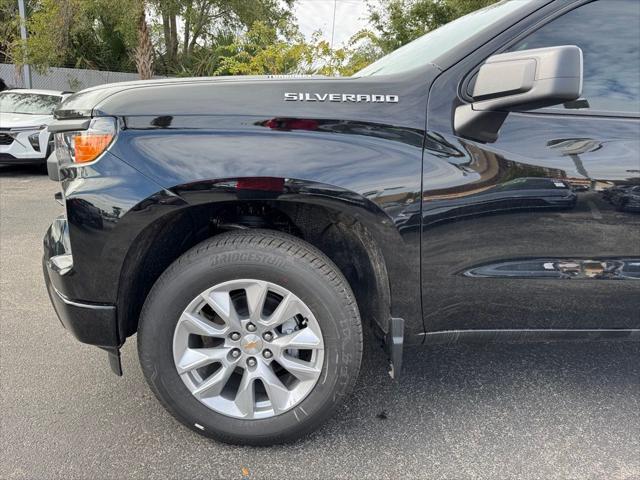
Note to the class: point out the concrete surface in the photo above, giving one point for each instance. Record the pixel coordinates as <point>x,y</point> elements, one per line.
<point>467,411</point>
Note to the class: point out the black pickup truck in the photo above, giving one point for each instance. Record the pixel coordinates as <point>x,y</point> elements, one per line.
<point>248,229</point>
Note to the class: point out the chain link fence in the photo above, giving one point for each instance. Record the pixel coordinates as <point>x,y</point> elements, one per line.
<point>57,78</point>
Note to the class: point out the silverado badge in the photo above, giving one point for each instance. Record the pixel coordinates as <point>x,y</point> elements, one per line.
<point>340,97</point>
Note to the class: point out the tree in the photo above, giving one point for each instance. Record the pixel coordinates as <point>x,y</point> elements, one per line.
<point>397,22</point>
<point>106,34</point>
<point>207,37</point>
<point>95,34</point>
<point>144,51</point>
<point>9,24</point>
<point>205,22</point>
<point>266,49</point>
<point>280,48</point>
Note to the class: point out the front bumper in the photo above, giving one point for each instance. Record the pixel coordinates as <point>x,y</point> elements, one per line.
<point>8,159</point>
<point>92,323</point>
<point>21,150</point>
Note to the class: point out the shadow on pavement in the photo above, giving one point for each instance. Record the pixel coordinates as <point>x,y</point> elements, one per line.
<point>22,170</point>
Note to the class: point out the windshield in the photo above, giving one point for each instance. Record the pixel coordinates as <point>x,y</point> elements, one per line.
<point>434,44</point>
<point>30,103</point>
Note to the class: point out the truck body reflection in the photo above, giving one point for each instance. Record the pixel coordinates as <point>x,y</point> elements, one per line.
<point>595,269</point>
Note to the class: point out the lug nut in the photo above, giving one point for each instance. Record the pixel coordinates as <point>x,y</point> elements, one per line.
<point>267,354</point>
<point>268,336</point>
<point>251,362</point>
<point>235,336</point>
<point>235,353</point>
<point>251,327</point>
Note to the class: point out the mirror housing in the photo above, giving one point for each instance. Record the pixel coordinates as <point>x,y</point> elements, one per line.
<point>523,80</point>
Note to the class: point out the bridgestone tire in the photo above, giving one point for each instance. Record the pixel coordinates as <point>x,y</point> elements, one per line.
<point>263,255</point>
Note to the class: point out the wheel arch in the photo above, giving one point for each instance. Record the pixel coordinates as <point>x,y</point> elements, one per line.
<point>350,229</point>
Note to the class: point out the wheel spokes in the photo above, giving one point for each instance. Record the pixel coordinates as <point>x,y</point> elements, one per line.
<point>300,369</point>
<point>194,358</point>
<point>220,302</point>
<point>213,385</point>
<point>256,295</point>
<point>304,339</point>
<point>288,308</point>
<point>245,396</point>
<point>241,350</point>
<point>276,391</point>
<point>198,325</point>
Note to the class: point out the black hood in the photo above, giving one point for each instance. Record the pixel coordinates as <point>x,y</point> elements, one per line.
<point>315,96</point>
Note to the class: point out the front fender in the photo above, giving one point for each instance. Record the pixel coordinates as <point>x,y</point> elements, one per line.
<point>107,204</point>
<point>369,172</point>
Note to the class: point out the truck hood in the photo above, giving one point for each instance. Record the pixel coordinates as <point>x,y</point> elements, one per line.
<point>365,99</point>
<point>84,102</point>
<point>18,120</point>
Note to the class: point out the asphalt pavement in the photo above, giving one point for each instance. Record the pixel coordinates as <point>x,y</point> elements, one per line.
<point>537,411</point>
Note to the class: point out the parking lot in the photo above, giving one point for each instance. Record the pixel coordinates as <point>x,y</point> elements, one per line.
<point>462,411</point>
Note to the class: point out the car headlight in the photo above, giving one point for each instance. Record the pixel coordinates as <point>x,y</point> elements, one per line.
<point>34,140</point>
<point>85,146</point>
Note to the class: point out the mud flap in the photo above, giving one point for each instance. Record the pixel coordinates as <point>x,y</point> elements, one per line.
<point>114,360</point>
<point>394,344</point>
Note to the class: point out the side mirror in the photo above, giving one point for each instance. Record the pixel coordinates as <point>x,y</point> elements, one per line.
<point>523,80</point>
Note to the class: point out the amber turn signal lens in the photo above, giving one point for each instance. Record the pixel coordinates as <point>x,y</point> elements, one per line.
<point>88,146</point>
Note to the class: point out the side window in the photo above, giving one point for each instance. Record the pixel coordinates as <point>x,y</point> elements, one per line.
<point>608,32</point>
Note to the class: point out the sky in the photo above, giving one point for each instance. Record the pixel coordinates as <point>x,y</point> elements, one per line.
<point>315,15</point>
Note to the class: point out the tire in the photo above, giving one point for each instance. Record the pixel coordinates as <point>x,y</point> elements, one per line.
<point>282,261</point>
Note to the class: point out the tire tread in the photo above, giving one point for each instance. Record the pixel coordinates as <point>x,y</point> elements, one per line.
<point>263,240</point>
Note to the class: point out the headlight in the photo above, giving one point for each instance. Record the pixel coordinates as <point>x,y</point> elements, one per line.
<point>34,140</point>
<point>85,145</point>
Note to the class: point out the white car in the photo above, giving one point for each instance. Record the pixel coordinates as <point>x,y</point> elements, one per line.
<point>24,117</point>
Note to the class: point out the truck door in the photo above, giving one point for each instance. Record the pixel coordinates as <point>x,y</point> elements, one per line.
<point>539,229</point>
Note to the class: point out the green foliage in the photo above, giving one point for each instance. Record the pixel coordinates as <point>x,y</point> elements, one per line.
<point>79,33</point>
<point>281,50</point>
<point>205,23</point>
<point>9,24</point>
<point>397,22</point>
<point>263,50</point>
<point>276,50</point>
<point>209,37</point>
<point>363,48</point>
<point>204,61</point>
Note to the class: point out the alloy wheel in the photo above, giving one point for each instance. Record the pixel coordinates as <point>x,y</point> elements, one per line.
<point>248,349</point>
